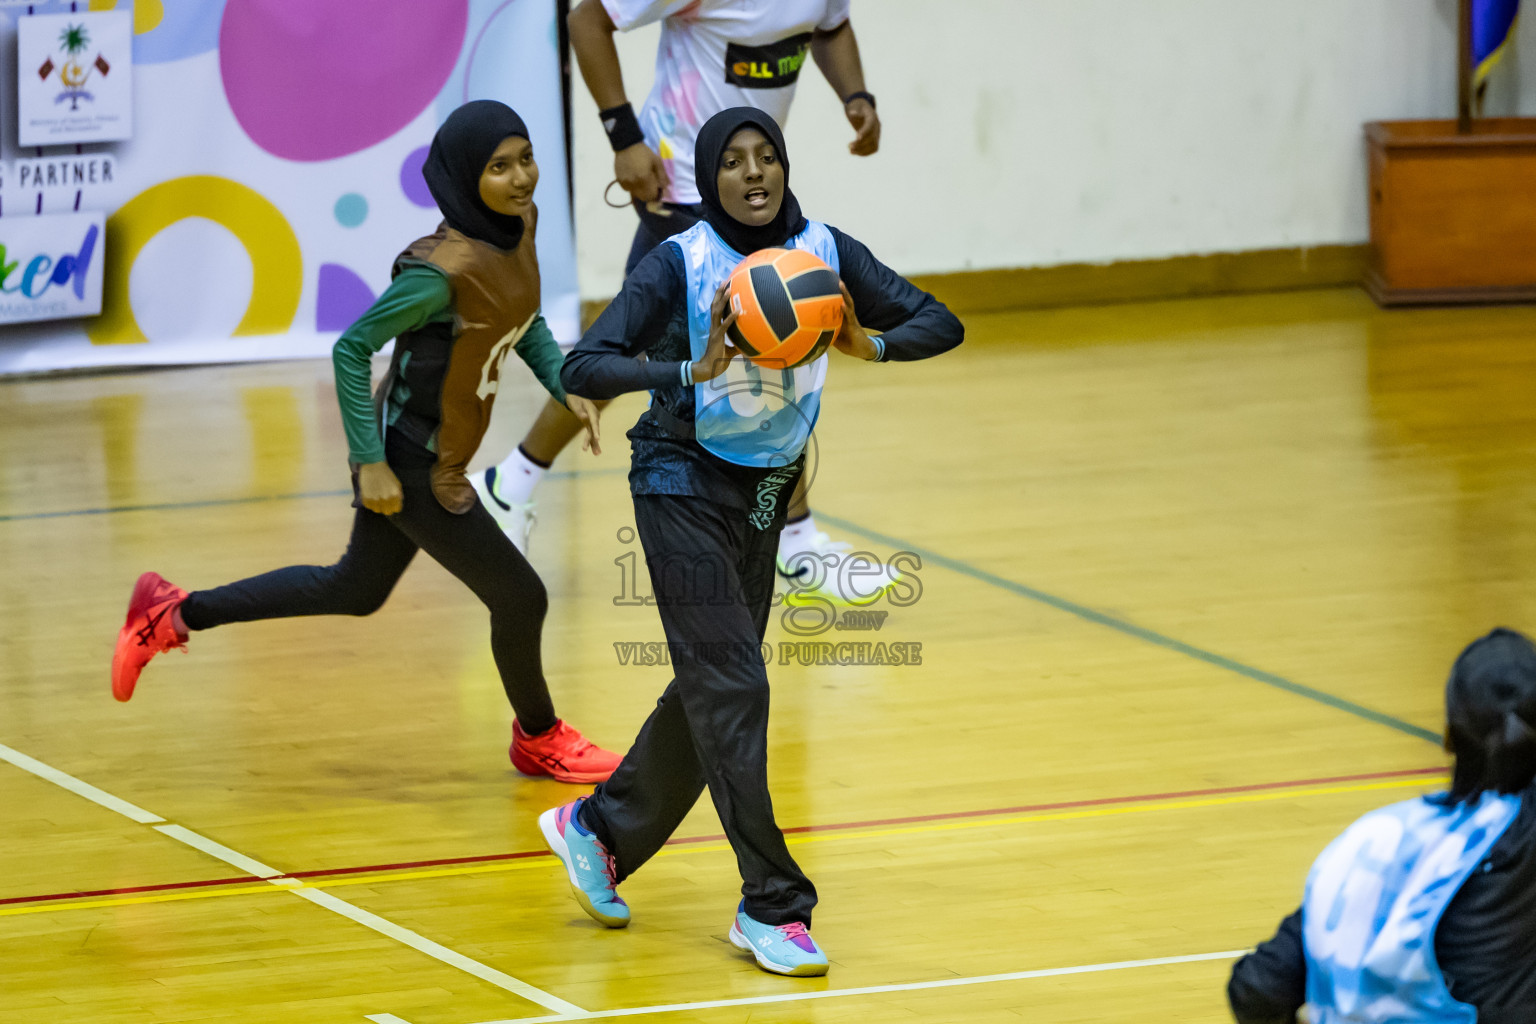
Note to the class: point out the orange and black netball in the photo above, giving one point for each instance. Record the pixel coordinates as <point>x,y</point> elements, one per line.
<point>789,307</point>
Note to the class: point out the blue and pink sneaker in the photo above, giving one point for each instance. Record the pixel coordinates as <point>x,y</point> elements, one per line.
<point>587,863</point>
<point>779,949</point>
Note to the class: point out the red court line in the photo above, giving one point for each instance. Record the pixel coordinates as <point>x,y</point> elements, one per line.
<point>1100,802</point>
<point>794,830</point>
<point>163,886</point>
<point>243,879</point>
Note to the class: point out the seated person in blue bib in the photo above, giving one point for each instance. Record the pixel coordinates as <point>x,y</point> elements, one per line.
<point>1425,910</point>
<point>716,457</point>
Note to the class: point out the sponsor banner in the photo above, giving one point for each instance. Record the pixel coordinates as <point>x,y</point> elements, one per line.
<point>74,77</point>
<point>50,266</point>
<point>57,184</point>
<point>260,203</point>
<point>770,66</point>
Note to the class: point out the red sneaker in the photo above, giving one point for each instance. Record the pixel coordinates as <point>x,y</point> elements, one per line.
<point>147,631</point>
<point>562,753</point>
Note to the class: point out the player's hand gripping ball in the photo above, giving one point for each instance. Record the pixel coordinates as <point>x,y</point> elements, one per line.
<point>788,307</point>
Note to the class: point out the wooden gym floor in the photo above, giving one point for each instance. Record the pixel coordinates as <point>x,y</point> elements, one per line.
<point>1192,574</point>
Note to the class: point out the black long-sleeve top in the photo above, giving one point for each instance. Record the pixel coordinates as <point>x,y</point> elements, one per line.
<point>650,316</point>
<point>1485,942</point>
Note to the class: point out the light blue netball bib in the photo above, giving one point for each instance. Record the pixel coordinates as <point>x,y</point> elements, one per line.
<point>749,415</point>
<point>1374,898</point>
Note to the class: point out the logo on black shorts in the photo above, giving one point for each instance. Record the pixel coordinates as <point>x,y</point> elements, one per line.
<point>771,66</point>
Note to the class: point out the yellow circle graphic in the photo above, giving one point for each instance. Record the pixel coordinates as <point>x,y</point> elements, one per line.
<point>147,14</point>
<point>277,270</point>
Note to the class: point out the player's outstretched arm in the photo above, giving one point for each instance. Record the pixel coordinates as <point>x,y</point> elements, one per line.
<point>1269,985</point>
<point>606,363</point>
<point>639,170</point>
<point>415,296</point>
<point>852,339</point>
<point>836,52</point>
<point>912,323</point>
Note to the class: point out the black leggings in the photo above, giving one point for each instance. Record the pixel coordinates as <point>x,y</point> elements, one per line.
<point>471,546</point>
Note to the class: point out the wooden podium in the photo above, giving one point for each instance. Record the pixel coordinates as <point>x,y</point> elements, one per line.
<point>1453,213</point>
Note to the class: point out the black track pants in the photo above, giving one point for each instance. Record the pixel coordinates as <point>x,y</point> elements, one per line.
<point>712,575</point>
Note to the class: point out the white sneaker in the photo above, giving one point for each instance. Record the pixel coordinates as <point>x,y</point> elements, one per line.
<point>515,519</point>
<point>852,588</point>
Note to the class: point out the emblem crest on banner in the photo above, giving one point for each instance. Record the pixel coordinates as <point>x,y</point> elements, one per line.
<point>74,77</point>
<point>75,71</point>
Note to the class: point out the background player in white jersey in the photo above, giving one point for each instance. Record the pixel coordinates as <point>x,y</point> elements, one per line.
<point>713,55</point>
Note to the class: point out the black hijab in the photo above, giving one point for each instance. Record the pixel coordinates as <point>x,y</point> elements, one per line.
<point>1490,708</point>
<point>460,150</point>
<point>714,136</point>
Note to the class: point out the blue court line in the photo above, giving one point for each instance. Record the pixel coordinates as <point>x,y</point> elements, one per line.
<point>1139,632</point>
<point>171,505</point>
<point>955,565</point>
<point>167,506</point>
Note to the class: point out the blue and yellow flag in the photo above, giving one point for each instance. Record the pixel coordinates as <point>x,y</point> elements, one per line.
<point>1493,24</point>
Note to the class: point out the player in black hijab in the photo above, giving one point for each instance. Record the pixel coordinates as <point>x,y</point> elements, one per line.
<point>709,507</point>
<point>714,137</point>
<point>1484,942</point>
<point>456,297</point>
<point>460,151</point>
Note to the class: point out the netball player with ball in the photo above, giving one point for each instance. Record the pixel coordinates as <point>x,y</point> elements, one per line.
<point>715,459</point>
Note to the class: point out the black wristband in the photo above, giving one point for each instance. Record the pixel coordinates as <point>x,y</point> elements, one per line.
<point>622,126</point>
<point>860,95</point>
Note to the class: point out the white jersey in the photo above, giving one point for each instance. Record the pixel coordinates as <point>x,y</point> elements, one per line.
<point>716,54</point>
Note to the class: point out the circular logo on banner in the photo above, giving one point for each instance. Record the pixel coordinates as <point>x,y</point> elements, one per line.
<point>277,266</point>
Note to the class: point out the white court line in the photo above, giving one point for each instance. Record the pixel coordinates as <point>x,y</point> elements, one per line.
<point>219,850</point>
<point>564,1010</point>
<point>792,997</point>
<point>77,787</point>
<point>568,1011</point>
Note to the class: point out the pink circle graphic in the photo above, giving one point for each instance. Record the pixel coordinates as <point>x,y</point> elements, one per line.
<point>324,78</point>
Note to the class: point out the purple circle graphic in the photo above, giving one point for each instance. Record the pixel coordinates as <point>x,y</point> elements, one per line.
<point>324,78</point>
<point>411,182</point>
<point>341,298</point>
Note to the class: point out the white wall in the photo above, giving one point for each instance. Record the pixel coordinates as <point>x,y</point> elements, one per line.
<point>1036,132</point>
